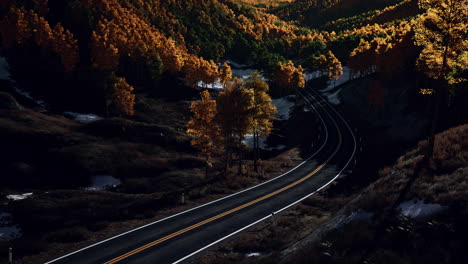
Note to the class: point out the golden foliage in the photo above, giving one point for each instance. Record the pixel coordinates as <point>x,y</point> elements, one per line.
<point>225,74</point>
<point>20,26</point>
<point>442,33</point>
<point>289,77</point>
<point>122,99</point>
<point>122,32</point>
<point>234,106</point>
<point>202,127</point>
<point>383,54</point>
<point>197,69</point>
<point>263,110</point>
<point>335,69</point>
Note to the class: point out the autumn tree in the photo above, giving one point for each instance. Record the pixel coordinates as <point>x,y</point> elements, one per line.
<point>288,77</point>
<point>121,100</point>
<point>203,128</point>
<point>361,58</point>
<point>335,70</point>
<point>225,74</point>
<point>208,71</point>
<point>234,115</point>
<point>262,111</point>
<point>321,64</point>
<point>20,27</point>
<point>192,70</point>
<point>441,31</point>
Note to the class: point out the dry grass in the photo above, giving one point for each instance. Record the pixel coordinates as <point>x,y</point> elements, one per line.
<point>435,240</point>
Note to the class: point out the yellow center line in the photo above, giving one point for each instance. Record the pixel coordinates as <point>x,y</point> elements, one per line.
<point>151,244</point>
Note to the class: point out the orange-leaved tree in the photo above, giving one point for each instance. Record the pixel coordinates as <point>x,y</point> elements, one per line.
<point>335,70</point>
<point>122,99</point>
<point>442,32</point>
<point>234,116</point>
<point>225,74</point>
<point>262,112</point>
<point>20,27</point>
<point>288,77</point>
<point>203,129</point>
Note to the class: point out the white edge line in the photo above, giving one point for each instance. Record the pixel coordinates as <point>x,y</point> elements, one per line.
<point>286,207</point>
<point>197,207</point>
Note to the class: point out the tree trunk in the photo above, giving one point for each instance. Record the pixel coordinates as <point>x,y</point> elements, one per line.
<point>240,155</point>
<point>255,151</point>
<point>437,103</point>
<point>227,161</point>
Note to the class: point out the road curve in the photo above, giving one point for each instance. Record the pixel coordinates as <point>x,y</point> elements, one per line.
<point>176,238</point>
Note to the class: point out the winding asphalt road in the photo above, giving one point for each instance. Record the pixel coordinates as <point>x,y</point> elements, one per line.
<point>176,238</point>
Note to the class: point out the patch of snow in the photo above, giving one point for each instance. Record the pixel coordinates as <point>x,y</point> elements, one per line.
<point>283,105</point>
<point>253,254</point>
<point>83,118</point>
<point>362,216</point>
<point>419,209</point>
<point>236,65</point>
<point>102,182</point>
<point>8,230</point>
<point>333,98</point>
<point>244,74</point>
<point>343,78</point>
<point>4,69</point>
<point>342,219</point>
<point>18,197</point>
<point>312,75</point>
<point>216,85</point>
<point>278,147</point>
<point>5,75</point>
<point>29,96</point>
<point>249,142</point>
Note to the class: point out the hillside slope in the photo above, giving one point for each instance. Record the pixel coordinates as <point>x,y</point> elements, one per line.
<point>426,225</point>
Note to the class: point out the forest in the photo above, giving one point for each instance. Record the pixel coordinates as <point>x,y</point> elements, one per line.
<point>187,96</point>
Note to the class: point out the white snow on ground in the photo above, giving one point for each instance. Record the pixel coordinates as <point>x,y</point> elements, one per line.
<point>102,182</point>
<point>18,197</point>
<point>343,78</point>
<point>341,220</point>
<point>28,95</point>
<point>244,74</point>
<point>236,65</point>
<point>216,85</point>
<point>419,209</point>
<point>5,75</point>
<point>283,105</point>
<point>4,69</point>
<point>333,98</point>
<point>249,142</point>
<point>279,147</point>
<point>83,118</point>
<point>312,75</point>
<point>238,70</point>
<point>253,254</point>
<point>360,216</point>
<point>8,230</point>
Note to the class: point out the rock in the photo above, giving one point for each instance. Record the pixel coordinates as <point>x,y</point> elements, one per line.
<point>7,101</point>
